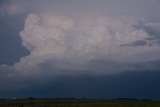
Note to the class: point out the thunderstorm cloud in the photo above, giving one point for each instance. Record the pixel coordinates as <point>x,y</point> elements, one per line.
<point>74,37</point>
<point>62,41</point>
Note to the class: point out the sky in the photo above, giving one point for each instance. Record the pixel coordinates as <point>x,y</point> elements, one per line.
<point>81,49</point>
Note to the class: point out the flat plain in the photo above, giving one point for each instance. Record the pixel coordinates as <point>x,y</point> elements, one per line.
<point>78,103</point>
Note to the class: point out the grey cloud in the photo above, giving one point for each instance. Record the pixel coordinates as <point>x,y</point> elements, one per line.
<point>150,65</point>
<point>105,66</point>
<point>93,7</point>
<point>134,84</point>
<point>139,43</point>
<point>152,29</point>
<point>136,43</point>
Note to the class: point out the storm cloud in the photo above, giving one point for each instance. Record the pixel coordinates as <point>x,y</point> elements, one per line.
<point>68,38</point>
<point>55,38</point>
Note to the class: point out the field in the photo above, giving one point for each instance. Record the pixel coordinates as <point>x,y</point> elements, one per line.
<point>77,103</point>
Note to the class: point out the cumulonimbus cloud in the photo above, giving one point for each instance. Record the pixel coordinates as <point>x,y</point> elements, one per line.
<point>75,38</point>
<point>68,45</point>
<point>65,43</point>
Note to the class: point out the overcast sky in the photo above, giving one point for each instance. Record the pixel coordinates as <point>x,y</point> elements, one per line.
<point>47,45</point>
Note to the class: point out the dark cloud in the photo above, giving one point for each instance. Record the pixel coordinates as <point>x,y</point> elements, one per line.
<point>141,84</point>
<point>136,43</point>
<point>139,43</point>
<point>152,29</point>
<point>150,65</point>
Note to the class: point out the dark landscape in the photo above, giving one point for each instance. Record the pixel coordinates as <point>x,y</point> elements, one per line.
<point>72,102</point>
